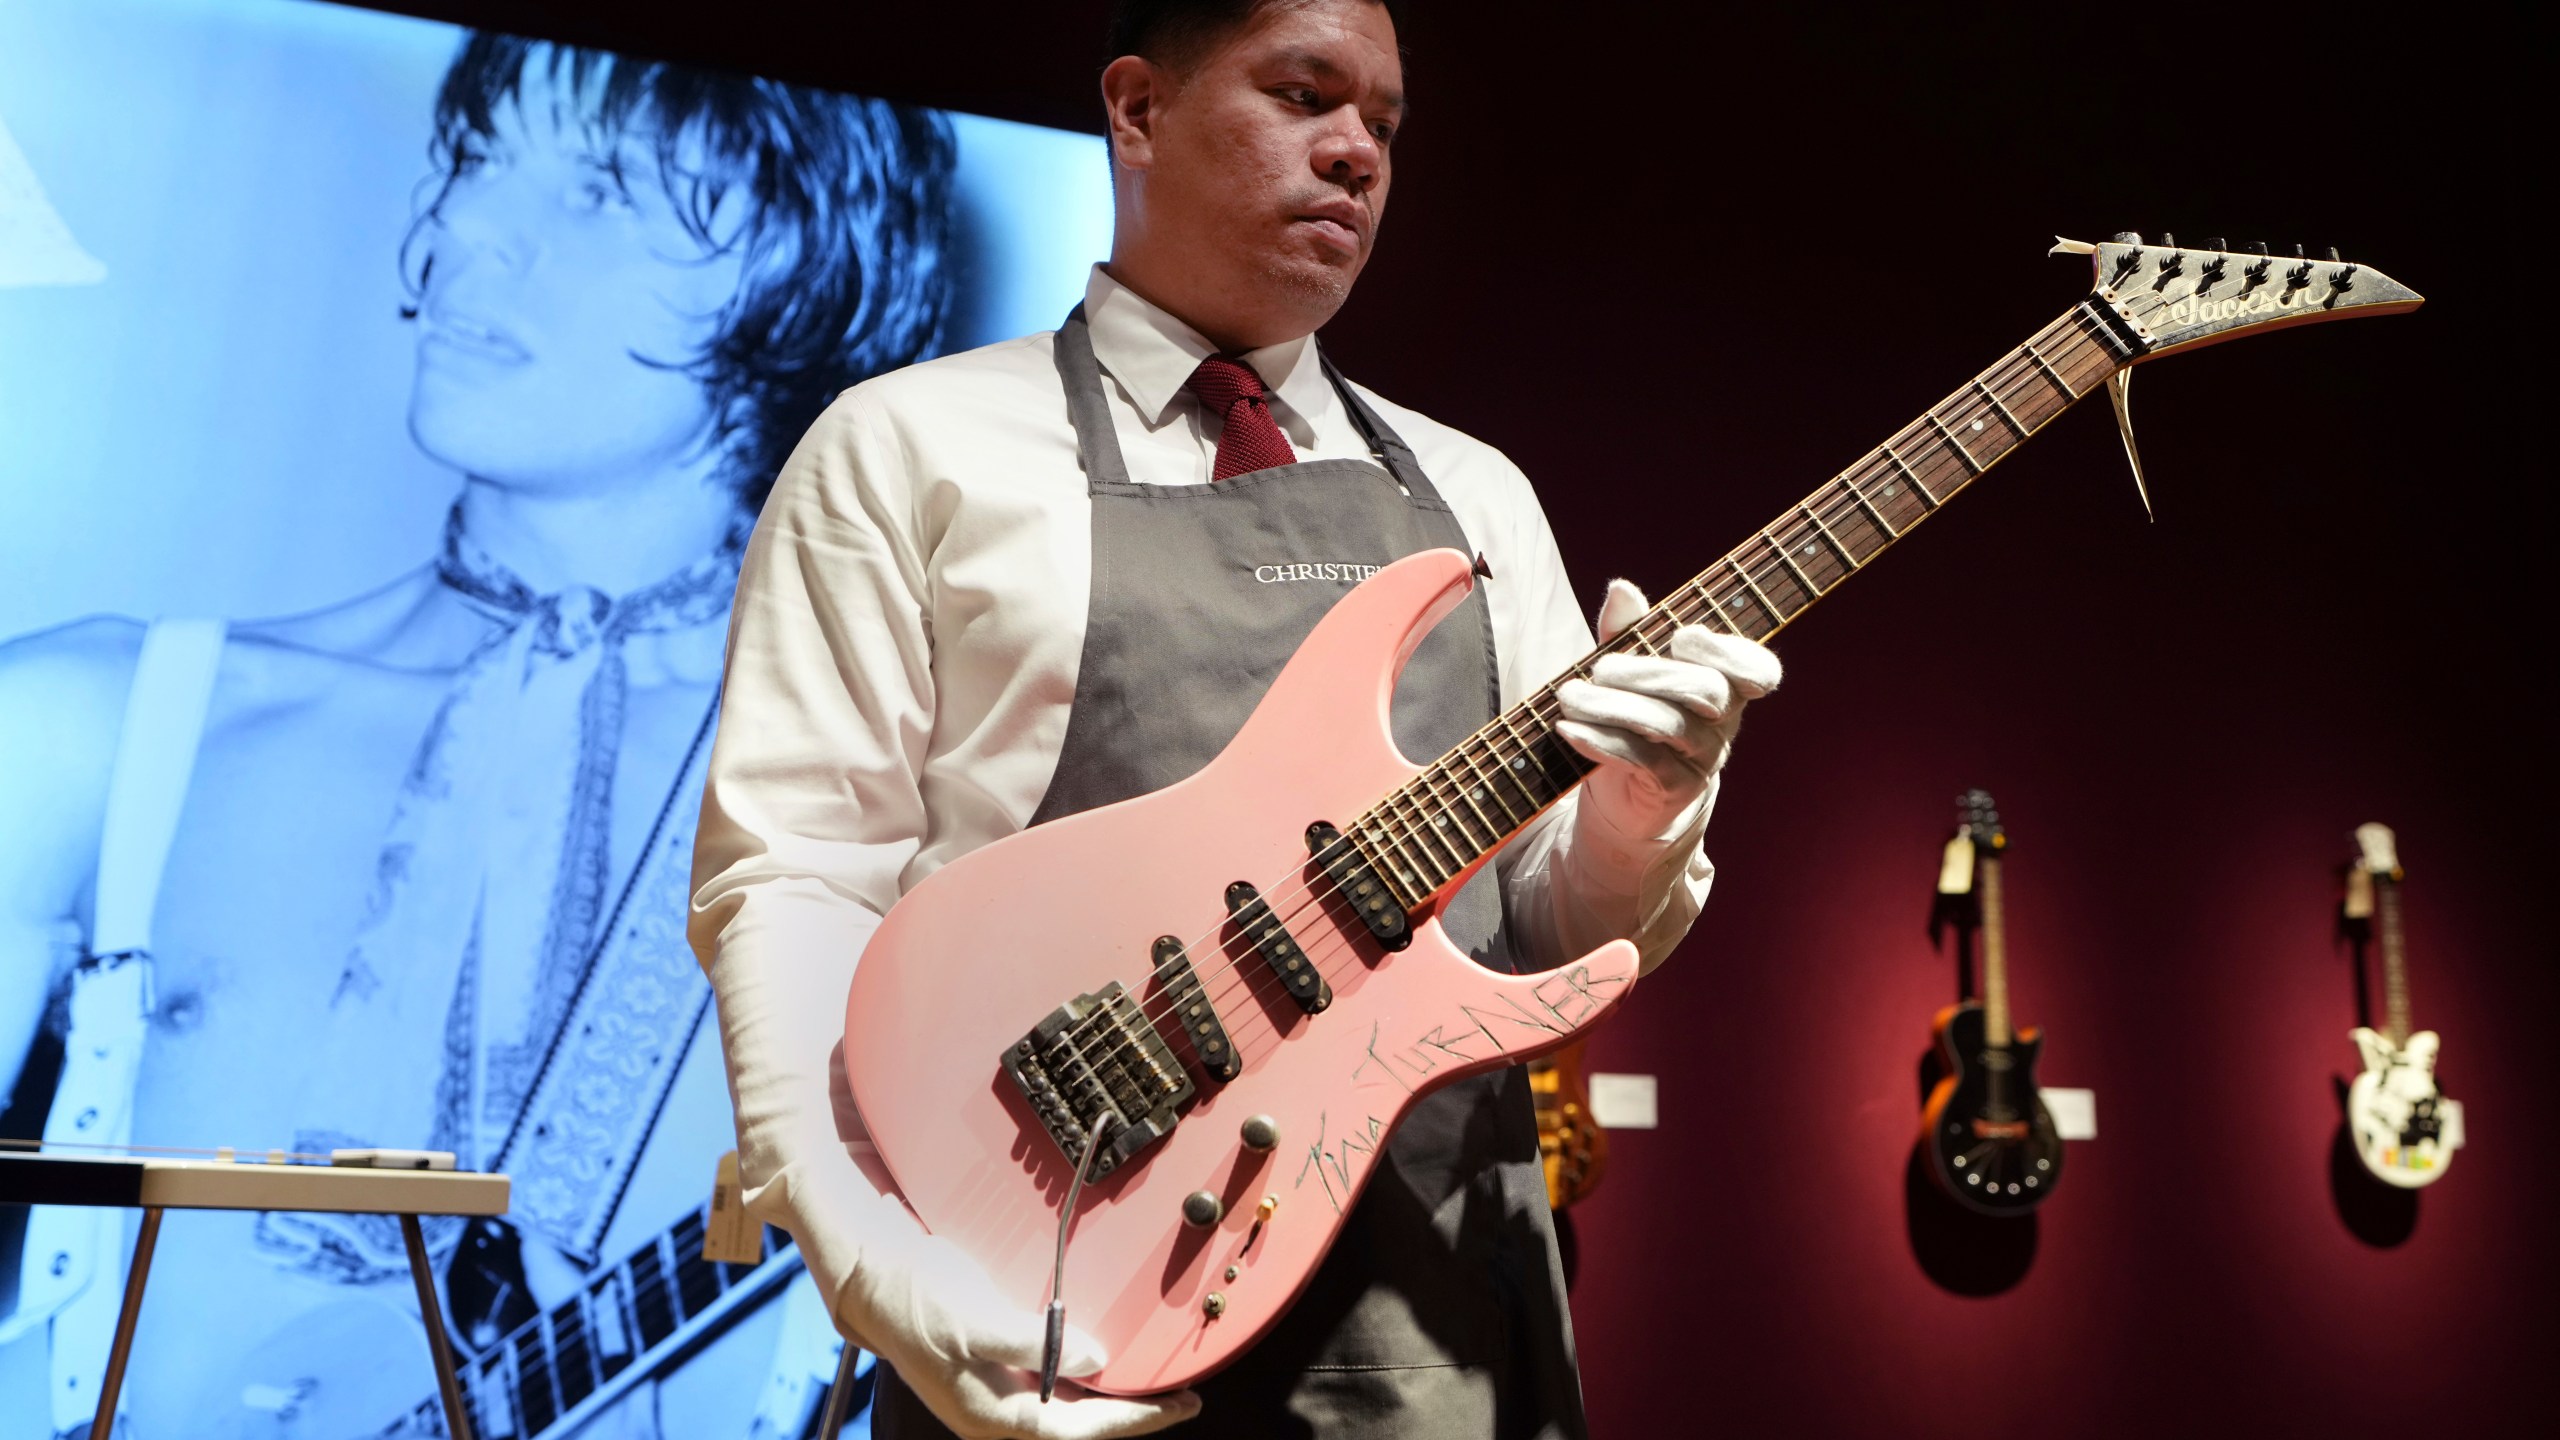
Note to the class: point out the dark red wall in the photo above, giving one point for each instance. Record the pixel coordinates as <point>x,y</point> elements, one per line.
<point>1683,269</point>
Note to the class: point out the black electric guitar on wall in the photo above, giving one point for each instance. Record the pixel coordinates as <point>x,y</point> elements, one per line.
<point>1990,1141</point>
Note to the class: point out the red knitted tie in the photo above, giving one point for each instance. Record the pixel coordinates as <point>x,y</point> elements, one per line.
<point>1251,439</point>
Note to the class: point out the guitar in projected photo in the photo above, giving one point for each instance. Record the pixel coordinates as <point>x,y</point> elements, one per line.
<point>1991,1142</point>
<point>623,1325</point>
<point>2395,1112</point>
<point>1156,1048</point>
<point>1572,1146</point>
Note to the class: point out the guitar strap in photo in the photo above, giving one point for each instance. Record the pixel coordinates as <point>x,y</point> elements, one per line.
<point>489,913</point>
<point>605,1078</point>
<point>73,1257</point>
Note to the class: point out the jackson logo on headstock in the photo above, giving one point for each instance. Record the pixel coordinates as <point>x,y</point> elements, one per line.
<point>2190,310</point>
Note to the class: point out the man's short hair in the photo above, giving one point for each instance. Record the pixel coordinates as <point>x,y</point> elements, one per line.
<point>846,241</point>
<point>1179,34</point>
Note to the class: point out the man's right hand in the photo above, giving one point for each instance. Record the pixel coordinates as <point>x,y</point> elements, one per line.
<point>972,1356</point>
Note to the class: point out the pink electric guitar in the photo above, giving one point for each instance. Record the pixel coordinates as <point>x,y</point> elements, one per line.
<point>1141,1060</point>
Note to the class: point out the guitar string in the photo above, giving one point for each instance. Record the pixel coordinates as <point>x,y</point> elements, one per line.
<point>492,1364</point>
<point>1942,463</point>
<point>1945,461</point>
<point>1833,502</point>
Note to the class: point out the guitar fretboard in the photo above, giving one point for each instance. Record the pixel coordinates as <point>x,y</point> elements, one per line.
<point>1995,956</point>
<point>522,1385</point>
<point>1438,826</point>
<point>2395,962</point>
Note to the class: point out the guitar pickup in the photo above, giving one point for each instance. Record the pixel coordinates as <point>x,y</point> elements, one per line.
<point>1279,948</point>
<point>1094,1057</point>
<point>1192,1009</point>
<point>1358,882</point>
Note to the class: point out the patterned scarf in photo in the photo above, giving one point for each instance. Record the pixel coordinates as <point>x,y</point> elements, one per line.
<point>489,888</point>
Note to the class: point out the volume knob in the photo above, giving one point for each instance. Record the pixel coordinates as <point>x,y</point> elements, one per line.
<point>1202,1209</point>
<point>1261,1132</point>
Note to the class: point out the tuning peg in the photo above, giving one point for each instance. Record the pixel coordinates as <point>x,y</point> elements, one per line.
<point>2128,237</point>
<point>2168,241</point>
<point>2334,256</point>
<point>2298,255</point>
<point>2215,243</point>
<point>2260,246</point>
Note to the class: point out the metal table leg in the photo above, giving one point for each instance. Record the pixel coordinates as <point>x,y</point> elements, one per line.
<point>457,1424</point>
<point>103,1424</point>
<point>840,1394</point>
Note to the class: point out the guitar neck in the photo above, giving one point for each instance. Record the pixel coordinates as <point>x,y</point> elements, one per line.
<point>1995,956</point>
<point>621,1327</point>
<point>2395,963</point>
<point>1429,834</point>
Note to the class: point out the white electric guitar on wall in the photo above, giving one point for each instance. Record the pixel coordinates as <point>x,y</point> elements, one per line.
<point>2405,1130</point>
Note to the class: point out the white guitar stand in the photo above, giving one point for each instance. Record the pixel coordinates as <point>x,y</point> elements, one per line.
<point>159,1185</point>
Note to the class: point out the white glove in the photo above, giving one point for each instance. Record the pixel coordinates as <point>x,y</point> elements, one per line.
<point>1659,727</point>
<point>972,1355</point>
<point>781,971</point>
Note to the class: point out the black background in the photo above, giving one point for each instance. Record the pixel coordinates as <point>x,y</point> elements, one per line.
<point>1683,263</point>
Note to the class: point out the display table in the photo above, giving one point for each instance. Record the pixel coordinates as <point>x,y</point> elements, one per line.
<point>155,1186</point>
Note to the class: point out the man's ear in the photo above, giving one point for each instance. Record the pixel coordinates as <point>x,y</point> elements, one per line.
<point>1132,88</point>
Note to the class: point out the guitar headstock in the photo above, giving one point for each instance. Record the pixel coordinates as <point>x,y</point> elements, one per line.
<point>2175,298</point>
<point>2378,851</point>
<point>1978,820</point>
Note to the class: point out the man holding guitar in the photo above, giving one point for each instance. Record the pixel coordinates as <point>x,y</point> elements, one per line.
<point>1039,578</point>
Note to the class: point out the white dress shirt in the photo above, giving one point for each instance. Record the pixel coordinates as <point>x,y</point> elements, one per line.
<point>903,655</point>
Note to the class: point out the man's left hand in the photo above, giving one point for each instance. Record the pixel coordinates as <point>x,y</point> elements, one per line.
<point>1659,727</point>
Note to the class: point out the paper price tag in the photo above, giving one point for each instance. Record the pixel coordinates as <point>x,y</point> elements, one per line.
<point>1955,868</point>
<point>2074,1112</point>
<point>732,1237</point>
<point>1625,1102</point>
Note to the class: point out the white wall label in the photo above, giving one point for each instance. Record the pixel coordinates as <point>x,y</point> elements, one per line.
<point>2075,1112</point>
<point>1622,1102</point>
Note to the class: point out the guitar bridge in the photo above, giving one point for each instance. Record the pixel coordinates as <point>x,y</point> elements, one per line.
<point>1094,1057</point>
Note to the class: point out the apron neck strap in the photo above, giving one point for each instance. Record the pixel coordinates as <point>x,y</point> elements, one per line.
<point>1098,444</point>
<point>1381,437</point>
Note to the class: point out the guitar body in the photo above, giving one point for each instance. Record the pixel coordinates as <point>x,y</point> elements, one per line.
<point>1571,1144</point>
<point>2393,1110</point>
<point>982,950</point>
<point>1991,1142</point>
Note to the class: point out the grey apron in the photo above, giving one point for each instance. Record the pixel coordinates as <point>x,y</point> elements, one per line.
<point>1441,1310</point>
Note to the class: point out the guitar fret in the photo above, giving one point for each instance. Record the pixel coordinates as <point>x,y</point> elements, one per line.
<point>2050,373</point>
<point>1364,833</point>
<point>1847,561</point>
<point>1440,818</point>
<point>537,1403</point>
<point>1875,516</point>
<point>1386,827</point>
<point>1457,789</point>
<point>1961,453</point>
<point>1756,593</point>
<point>1927,500</point>
<point>1994,397</point>
<point>1803,581</point>
<point>1517,767</point>
<point>1484,782</point>
<point>1417,837</point>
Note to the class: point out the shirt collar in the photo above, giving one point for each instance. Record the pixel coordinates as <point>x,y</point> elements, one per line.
<point>1152,354</point>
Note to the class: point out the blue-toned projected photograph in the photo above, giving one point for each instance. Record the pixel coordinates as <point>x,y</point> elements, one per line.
<point>383,408</point>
